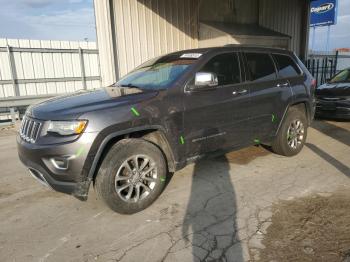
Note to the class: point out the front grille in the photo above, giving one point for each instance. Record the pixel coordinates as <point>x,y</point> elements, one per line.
<point>30,129</point>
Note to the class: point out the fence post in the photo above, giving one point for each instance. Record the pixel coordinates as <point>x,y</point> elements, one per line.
<point>13,115</point>
<point>336,62</point>
<point>13,70</point>
<point>82,66</point>
<point>317,77</point>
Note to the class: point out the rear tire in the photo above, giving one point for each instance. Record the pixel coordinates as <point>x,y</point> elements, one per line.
<point>292,134</point>
<point>131,176</point>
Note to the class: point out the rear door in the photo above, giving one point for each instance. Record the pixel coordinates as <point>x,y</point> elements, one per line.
<point>288,72</point>
<point>268,94</point>
<point>215,118</point>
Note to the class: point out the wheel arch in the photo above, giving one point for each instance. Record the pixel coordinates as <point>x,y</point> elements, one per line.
<point>153,134</point>
<point>302,105</point>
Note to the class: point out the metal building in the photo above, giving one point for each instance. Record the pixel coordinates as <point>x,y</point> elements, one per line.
<point>130,32</point>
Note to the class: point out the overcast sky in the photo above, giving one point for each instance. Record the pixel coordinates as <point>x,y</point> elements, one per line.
<point>47,19</point>
<point>74,20</point>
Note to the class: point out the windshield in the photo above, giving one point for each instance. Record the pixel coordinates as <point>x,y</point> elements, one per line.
<point>343,76</point>
<point>158,73</point>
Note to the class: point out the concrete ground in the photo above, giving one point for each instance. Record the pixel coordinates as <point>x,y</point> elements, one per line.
<point>218,209</point>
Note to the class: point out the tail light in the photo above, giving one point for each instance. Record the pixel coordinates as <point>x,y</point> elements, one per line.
<point>313,83</point>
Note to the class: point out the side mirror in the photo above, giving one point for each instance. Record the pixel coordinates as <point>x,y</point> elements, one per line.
<point>205,79</point>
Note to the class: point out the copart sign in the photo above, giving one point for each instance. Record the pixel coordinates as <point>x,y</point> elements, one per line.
<point>323,12</point>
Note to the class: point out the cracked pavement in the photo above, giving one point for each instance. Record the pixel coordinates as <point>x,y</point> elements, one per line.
<point>214,210</point>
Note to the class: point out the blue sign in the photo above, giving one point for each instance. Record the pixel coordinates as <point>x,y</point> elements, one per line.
<point>323,13</point>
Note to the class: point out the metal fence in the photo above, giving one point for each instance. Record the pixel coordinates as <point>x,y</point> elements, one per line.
<point>324,65</point>
<point>34,69</point>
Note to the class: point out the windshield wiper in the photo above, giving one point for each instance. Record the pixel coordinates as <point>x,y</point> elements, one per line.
<point>129,86</point>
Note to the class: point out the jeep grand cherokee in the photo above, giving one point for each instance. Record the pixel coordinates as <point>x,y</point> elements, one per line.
<point>166,113</point>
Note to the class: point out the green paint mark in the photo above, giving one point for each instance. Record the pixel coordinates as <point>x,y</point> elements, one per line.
<point>273,118</point>
<point>182,140</point>
<point>135,112</point>
<point>257,141</point>
<point>162,178</point>
<point>80,151</point>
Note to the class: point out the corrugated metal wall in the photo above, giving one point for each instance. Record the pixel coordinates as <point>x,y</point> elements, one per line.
<point>105,41</point>
<point>51,72</point>
<point>149,28</point>
<point>284,16</point>
<point>132,31</point>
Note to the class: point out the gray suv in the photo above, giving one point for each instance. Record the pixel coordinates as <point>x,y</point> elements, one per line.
<point>166,113</point>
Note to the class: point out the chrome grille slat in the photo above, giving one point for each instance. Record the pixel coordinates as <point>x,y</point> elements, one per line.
<point>21,128</point>
<point>24,126</point>
<point>30,129</point>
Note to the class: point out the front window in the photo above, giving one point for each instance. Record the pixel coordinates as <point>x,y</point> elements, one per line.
<point>159,73</point>
<point>226,67</point>
<point>343,76</point>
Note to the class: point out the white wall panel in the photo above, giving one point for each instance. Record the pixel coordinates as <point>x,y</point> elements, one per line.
<point>46,65</point>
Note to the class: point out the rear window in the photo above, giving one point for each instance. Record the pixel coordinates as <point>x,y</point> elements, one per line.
<point>286,66</point>
<point>260,66</point>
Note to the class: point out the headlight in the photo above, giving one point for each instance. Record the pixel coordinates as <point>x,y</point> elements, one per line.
<point>66,128</point>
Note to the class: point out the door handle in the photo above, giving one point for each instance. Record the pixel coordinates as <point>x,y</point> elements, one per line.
<point>283,85</point>
<point>241,92</point>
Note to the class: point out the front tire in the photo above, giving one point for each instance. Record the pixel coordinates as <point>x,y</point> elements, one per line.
<point>292,135</point>
<point>131,176</point>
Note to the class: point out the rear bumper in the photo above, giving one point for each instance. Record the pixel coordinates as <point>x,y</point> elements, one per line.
<point>69,173</point>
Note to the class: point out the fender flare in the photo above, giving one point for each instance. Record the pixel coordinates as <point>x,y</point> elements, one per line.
<point>113,135</point>
<point>294,103</point>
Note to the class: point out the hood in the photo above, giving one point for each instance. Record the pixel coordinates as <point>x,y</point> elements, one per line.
<point>333,90</point>
<point>71,106</point>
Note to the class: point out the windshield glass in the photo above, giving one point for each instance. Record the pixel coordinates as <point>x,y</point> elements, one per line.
<point>158,73</point>
<point>343,76</point>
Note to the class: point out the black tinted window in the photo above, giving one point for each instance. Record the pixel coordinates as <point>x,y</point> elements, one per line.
<point>286,66</point>
<point>261,67</point>
<point>226,67</point>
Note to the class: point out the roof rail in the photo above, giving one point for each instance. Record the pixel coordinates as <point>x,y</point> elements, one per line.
<point>254,46</point>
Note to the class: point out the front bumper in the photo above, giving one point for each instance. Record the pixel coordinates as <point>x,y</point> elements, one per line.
<point>62,167</point>
<point>333,109</point>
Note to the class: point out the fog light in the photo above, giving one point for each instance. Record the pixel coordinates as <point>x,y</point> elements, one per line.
<point>60,163</point>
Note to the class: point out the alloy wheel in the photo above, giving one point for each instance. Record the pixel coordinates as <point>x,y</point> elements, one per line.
<point>295,134</point>
<point>136,178</point>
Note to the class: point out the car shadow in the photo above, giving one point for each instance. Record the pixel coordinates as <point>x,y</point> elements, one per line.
<point>330,159</point>
<point>336,132</point>
<point>210,222</point>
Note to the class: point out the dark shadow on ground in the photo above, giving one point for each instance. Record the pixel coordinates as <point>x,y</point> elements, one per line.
<point>210,221</point>
<point>331,160</point>
<point>336,132</point>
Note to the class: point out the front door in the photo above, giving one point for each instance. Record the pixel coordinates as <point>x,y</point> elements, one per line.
<point>215,118</point>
